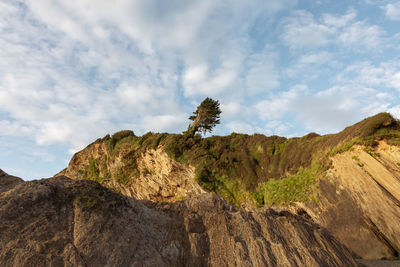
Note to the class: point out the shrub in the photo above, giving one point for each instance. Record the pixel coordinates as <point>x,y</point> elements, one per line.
<point>122,134</point>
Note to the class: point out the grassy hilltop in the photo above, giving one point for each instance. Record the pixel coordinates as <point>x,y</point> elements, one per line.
<point>241,167</point>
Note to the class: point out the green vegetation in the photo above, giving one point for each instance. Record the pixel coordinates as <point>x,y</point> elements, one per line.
<point>118,136</point>
<point>205,118</point>
<point>240,167</point>
<point>92,171</point>
<point>343,147</point>
<point>232,191</point>
<point>298,187</point>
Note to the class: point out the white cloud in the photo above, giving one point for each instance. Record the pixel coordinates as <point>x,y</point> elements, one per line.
<point>232,109</point>
<point>74,70</point>
<point>261,73</point>
<point>395,80</point>
<point>240,127</point>
<point>166,122</point>
<point>14,128</point>
<point>198,80</point>
<point>311,62</point>
<point>395,111</point>
<point>195,74</point>
<point>276,127</point>
<point>360,90</point>
<point>361,33</point>
<point>384,75</point>
<point>339,21</point>
<point>276,106</point>
<point>315,58</point>
<point>303,30</point>
<point>393,11</point>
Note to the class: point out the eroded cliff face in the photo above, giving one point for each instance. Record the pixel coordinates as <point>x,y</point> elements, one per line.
<point>158,177</point>
<point>64,222</point>
<point>359,201</point>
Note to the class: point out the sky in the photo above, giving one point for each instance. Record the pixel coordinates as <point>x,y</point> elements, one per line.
<point>72,71</point>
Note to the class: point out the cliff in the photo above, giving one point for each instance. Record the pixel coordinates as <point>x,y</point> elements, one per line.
<point>347,182</point>
<point>64,222</point>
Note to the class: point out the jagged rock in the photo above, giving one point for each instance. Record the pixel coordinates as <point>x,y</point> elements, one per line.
<point>8,181</point>
<point>59,221</point>
<point>159,177</point>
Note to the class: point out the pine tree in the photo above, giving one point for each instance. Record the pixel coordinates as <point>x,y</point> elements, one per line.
<point>205,118</point>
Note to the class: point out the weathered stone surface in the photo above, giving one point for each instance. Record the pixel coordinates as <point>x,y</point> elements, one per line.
<point>359,202</point>
<point>159,177</point>
<point>8,181</point>
<point>64,222</point>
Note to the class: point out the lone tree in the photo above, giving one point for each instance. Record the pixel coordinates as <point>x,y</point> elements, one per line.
<point>205,117</point>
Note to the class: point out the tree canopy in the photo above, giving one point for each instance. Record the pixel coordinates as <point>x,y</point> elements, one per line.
<point>205,118</point>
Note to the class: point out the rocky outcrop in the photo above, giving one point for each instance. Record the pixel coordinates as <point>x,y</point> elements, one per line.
<point>359,201</point>
<point>8,181</point>
<point>157,177</point>
<point>358,194</point>
<point>64,222</point>
<point>160,179</point>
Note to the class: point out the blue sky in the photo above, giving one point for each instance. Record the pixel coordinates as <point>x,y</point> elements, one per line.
<point>72,71</point>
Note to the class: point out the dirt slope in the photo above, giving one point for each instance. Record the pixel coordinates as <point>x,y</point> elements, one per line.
<point>64,222</point>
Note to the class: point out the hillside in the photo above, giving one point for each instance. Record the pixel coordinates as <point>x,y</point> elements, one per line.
<point>64,222</point>
<point>310,172</point>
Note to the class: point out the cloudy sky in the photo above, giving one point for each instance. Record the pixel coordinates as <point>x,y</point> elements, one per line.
<point>74,70</point>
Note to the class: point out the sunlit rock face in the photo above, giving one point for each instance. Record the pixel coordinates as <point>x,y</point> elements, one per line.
<point>64,222</point>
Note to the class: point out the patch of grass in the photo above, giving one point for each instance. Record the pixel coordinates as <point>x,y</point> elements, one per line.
<point>232,190</point>
<point>343,147</point>
<point>122,134</point>
<point>298,187</point>
<point>117,137</point>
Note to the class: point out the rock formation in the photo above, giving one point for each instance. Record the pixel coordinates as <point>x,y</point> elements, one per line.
<point>64,222</point>
<point>357,199</point>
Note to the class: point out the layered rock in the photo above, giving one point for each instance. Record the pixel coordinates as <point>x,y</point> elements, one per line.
<point>359,202</point>
<point>59,221</point>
